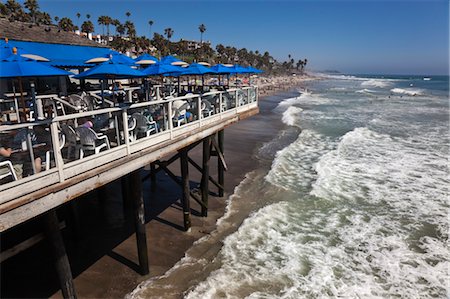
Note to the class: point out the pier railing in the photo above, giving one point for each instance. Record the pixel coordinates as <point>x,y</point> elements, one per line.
<point>74,144</point>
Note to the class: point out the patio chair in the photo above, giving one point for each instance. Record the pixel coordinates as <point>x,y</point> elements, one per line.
<point>207,108</point>
<point>9,170</point>
<point>91,141</point>
<point>62,142</point>
<point>179,112</point>
<point>144,127</point>
<point>132,134</point>
<point>72,140</point>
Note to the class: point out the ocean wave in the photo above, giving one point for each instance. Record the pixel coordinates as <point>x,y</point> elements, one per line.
<point>366,91</point>
<point>380,83</point>
<point>292,166</point>
<point>408,91</point>
<point>291,116</point>
<point>380,169</point>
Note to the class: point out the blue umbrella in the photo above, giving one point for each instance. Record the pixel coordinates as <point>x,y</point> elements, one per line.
<point>237,69</point>
<point>162,69</point>
<point>146,59</point>
<point>253,70</point>
<point>113,56</point>
<point>110,70</point>
<point>18,66</point>
<point>221,69</point>
<point>172,60</point>
<point>197,69</point>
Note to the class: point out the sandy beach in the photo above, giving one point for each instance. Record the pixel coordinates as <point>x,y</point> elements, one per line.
<point>103,253</point>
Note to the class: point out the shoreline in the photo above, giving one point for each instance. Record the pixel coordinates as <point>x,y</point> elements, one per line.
<point>167,243</point>
<point>103,255</point>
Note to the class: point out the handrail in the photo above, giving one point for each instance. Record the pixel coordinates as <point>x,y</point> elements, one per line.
<point>169,131</point>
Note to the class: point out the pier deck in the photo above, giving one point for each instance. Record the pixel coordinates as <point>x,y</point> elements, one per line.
<point>31,196</point>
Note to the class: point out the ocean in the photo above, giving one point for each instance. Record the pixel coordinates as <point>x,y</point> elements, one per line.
<point>350,199</point>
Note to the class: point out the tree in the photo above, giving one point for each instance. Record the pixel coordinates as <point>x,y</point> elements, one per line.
<point>169,33</point>
<point>66,24</point>
<point>101,21</point>
<point>78,18</point>
<point>15,12</point>
<point>202,29</point>
<point>120,28</point>
<point>87,27</point>
<point>33,7</point>
<point>88,16</point>
<point>150,24</point>
<point>131,30</point>
<point>56,19</point>
<point>128,14</point>
<point>43,18</point>
<point>108,21</point>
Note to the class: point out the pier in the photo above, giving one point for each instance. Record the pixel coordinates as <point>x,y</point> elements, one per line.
<point>117,147</point>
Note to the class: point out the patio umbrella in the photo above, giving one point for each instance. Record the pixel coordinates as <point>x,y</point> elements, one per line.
<point>160,69</point>
<point>6,50</point>
<point>253,70</point>
<point>146,59</point>
<point>197,69</point>
<point>110,70</point>
<point>172,60</point>
<point>113,56</point>
<point>16,66</point>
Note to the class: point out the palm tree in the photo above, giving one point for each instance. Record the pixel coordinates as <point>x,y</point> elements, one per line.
<point>150,23</point>
<point>87,27</point>
<point>33,7</point>
<point>101,21</point>
<point>128,14</point>
<point>202,29</point>
<point>88,16</point>
<point>66,24</point>
<point>56,19</point>
<point>168,32</point>
<point>108,21</point>
<point>78,18</point>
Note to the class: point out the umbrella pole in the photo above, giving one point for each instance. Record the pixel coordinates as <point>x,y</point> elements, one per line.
<point>16,104</point>
<point>22,100</point>
<point>30,149</point>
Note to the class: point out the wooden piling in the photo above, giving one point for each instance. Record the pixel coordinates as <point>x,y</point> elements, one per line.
<point>61,260</point>
<point>186,189</point>
<point>152,177</point>
<point>220,166</point>
<point>135,187</point>
<point>205,174</point>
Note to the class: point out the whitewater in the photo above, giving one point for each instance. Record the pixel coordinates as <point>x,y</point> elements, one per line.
<point>352,197</point>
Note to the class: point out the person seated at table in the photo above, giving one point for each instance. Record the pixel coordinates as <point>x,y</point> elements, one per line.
<point>5,152</point>
<point>118,91</point>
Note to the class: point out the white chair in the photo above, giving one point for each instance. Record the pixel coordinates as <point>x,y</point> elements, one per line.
<point>91,141</point>
<point>72,140</point>
<point>144,126</point>
<point>179,112</point>
<point>207,108</point>
<point>47,162</point>
<point>131,129</point>
<point>10,172</point>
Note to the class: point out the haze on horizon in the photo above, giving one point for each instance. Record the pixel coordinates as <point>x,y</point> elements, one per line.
<point>350,36</point>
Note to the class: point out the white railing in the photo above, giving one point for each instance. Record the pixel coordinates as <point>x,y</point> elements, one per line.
<point>170,123</point>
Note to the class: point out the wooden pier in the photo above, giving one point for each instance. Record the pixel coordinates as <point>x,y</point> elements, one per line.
<point>70,176</point>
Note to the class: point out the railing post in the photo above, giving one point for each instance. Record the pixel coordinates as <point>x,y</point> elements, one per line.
<point>248,95</point>
<point>199,109</point>
<point>236,99</point>
<point>157,94</point>
<point>125,130</point>
<point>56,150</point>
<point>169,118</point>
<point>220,104</point>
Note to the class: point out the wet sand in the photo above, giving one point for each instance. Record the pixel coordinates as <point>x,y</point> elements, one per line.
<point>103,253</point>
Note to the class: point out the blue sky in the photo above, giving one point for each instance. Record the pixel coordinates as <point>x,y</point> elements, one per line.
<point>365,36</point>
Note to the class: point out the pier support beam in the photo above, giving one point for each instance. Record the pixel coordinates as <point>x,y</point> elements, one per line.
<point>186,189</point>
<point>205,174</point>
<point>152,177</point>
<point>61,260</point>
<point>220,166</point>
<point>135,188</point>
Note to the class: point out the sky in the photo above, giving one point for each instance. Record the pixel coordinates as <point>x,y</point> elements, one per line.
<point>350,36</point>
